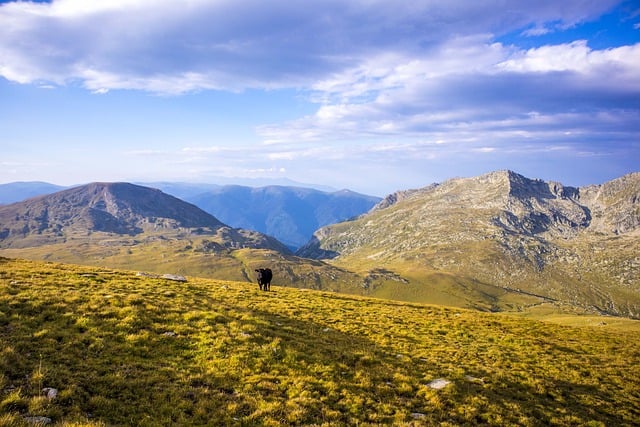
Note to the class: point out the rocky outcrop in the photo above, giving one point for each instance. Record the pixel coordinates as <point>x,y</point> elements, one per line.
<point>614,205</point>
<point>394,198</point>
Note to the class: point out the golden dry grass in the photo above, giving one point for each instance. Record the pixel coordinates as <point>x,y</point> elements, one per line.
<point>128,350</point>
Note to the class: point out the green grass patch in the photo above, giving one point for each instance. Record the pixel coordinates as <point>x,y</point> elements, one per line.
<point>128,350</point>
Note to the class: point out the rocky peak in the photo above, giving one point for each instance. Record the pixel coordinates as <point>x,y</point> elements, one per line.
<point>615,205</point>
<point>396,197</point>
<point>521,187</point>
<point>502,229</point>
<point>534,206</point>
<point>126,201</point>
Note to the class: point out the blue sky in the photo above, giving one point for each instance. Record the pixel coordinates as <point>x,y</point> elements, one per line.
<point>374,96</point>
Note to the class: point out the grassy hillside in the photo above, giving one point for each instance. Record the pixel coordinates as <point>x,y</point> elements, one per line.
<point>121,349</point>
<point>193,255</point>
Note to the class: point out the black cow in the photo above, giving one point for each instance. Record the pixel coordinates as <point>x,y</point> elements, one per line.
<point>264,278</point>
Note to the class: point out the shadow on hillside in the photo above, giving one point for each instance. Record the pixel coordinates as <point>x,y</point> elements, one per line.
<point>123,365</point>
<point>120,361</point>
<point>556,402</point>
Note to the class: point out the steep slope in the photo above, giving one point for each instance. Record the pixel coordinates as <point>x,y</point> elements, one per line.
<point>291,214</point>
<point>485,240</point>
<point>614,206</point>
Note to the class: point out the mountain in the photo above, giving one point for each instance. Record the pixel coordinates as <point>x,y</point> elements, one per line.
<point>113,209</point>
<point>497,240</point>
<point>121,225</point>
<point>181,190</point>
<point>291,214</point>
<point>500,242</point>
<point>18,191</point>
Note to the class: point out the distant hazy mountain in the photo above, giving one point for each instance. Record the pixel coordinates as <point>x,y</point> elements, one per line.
<point>496,238</point>
<point>290,214</point>
<point>186,190</point>
<point>114,209</point>
<point>181,190</point>
<point>18,191</point>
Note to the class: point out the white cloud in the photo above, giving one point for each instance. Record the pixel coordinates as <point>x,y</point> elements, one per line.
<point>548,92</point>
<point>578,57</point>
<point>484,149</point>
<point>188,45</point>
<point>536,31</point>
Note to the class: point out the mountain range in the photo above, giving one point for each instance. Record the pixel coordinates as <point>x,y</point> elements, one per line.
<point>18,191</point>
<point>291,214</point>
<point>498,242</point>
<point>288,213</point>
<point>134,227</point>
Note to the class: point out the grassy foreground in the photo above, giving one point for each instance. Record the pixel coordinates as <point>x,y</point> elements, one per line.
<point>122,349</point>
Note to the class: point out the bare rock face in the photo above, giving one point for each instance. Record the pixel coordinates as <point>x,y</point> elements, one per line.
<point>499,203</point>
<point>614,205</point>
<point>537,207</point>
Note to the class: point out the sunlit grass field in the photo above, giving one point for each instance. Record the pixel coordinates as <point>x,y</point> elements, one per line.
<point>122,349</point>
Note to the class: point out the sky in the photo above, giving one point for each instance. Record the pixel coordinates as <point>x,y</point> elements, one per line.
<point>372,96</point>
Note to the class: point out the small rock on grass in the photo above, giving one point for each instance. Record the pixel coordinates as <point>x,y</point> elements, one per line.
<point>50,392</point>
<point>474,380</point>
<point>39,421</point>
<point>174,277</point>
<point>438,384</point>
